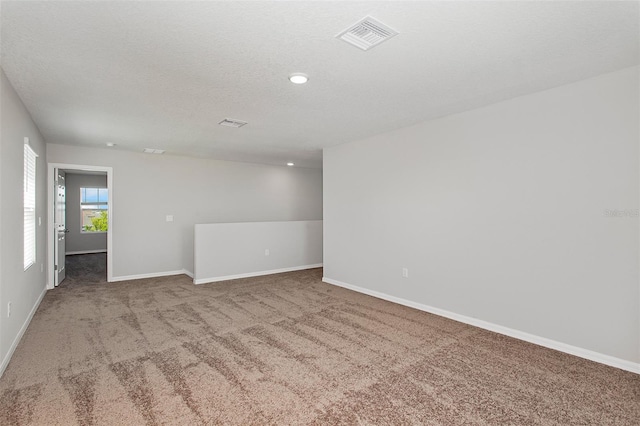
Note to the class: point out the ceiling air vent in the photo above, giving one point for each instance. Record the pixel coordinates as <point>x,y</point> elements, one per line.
<point>230,122</point>
<point>367,33</point>
<point>153,151</point>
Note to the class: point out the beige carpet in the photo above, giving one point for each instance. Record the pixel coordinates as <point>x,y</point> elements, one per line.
<point>287,349</point>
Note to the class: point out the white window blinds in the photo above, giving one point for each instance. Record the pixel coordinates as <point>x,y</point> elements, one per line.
<point>29,206</point>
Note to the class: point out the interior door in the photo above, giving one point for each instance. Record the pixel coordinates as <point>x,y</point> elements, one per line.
<point>60,227</point>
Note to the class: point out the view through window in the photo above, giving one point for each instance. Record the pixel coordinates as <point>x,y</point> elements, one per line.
<point>94,203</point>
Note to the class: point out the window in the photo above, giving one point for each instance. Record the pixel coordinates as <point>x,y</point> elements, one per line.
<point>94,203</point>
<point>29,201</point>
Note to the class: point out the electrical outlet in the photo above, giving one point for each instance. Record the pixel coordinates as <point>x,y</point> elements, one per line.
<point>169,218</point>
<point>266,252</point>
<point>8,309</point>
<point>405,273</point>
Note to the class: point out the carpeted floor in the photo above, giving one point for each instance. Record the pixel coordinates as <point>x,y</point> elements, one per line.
<point>85,269</point>
<point>286,349</point>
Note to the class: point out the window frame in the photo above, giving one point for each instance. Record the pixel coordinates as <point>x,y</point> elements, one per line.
<point>97,203</point>
<point>29,174</point>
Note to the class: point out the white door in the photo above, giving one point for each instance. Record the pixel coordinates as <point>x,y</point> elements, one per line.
<point>60,227</point>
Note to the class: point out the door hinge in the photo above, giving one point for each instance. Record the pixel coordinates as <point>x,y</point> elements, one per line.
<point>55,267</point>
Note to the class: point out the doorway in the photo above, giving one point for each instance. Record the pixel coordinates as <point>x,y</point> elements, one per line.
<point>80,219</point>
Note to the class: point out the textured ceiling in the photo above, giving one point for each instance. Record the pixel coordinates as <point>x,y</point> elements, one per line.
<point>163,74</point>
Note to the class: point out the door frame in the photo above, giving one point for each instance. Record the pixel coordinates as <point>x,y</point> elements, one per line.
<point>51,184</point>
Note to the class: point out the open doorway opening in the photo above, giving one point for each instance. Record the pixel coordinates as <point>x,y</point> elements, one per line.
<point>80,225</point>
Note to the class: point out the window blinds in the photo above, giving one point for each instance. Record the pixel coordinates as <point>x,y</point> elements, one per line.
<point>29,206</point>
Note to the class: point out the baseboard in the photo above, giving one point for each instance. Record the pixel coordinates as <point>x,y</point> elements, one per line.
<point>188,273</point>
<point>67,253</point>
<point>150,275</point>
<point>531,338</point>
<point>255,274</point>
<point>14,345</point>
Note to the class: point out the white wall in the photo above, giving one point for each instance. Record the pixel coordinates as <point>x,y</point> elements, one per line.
<point>24,289</point>
<point>226,251</point>
<point>148,187</point>
<point>76,240</point>
<point>500,214</point>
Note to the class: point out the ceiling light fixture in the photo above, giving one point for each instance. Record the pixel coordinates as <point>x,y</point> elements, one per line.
<point>290,164</point>
<point>298,78</point>
<point>111,144</point>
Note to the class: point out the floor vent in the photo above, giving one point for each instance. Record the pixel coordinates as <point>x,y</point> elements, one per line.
<point>367,33</point>
<point>229,122</point>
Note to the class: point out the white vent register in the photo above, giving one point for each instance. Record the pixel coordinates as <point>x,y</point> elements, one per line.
<point>367,33</point>
<point>230,122</point>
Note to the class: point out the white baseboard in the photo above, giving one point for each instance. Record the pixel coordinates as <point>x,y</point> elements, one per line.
<point>255,274</point>
<point>14,345</point>
<point>67,253</point>
<point>188,273</point>
<point>150,275</point>
<point>531,338</point>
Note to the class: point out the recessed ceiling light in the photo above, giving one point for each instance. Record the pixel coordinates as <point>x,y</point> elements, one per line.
<point>298,78</point>
<point>290,164</point>
<point>111,144</point>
